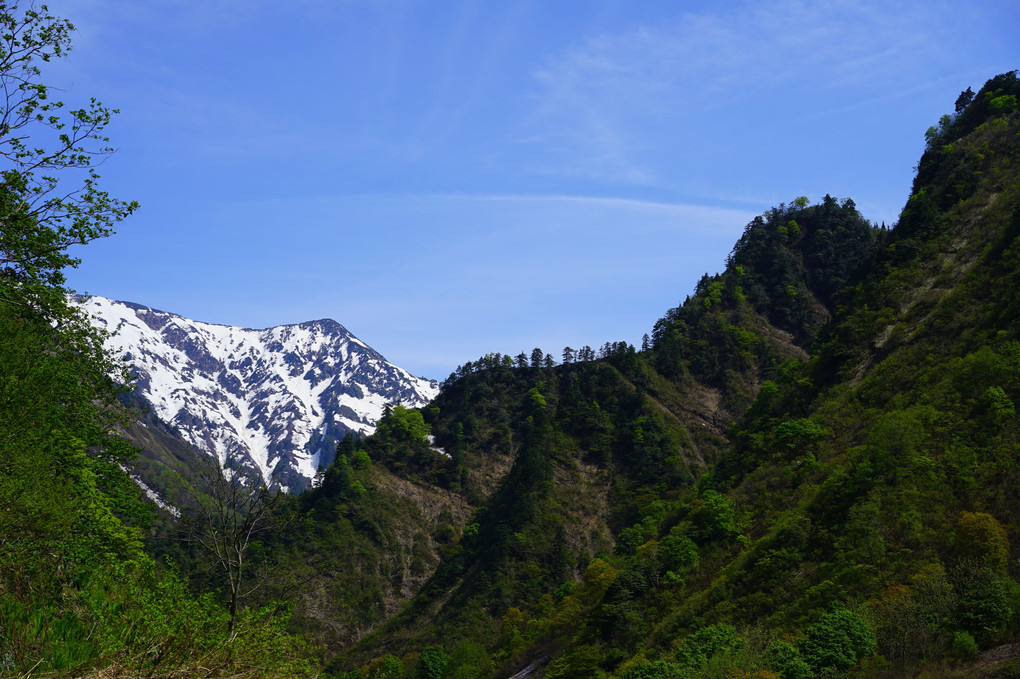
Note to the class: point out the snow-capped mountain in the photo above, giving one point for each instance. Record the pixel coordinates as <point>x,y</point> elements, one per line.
<point>275,400</point>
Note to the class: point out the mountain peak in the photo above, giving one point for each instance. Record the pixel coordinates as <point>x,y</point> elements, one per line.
<point>274,400</point>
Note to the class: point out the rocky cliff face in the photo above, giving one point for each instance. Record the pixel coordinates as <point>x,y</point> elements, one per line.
<point>274,401</point>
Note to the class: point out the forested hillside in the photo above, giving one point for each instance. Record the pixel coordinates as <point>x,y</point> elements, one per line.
<point>78,591</point>
<point>808,469</point>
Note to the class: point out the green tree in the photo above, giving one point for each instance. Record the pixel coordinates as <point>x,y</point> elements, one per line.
<point>404,424</point>
<point>361,460</point>
<point>981,539</point>
<point>580,661</point>
<point>999,404</point>
<point>985,605</point>
<point>794,435</point>
<point>657,669</point>
<point>58,386</point>
<point>837,641</point>
<point>678,552</point>
<point>787,660</point>
<point>714,515</point>
<point>697,649</point>
<point>963,101</point>
<point>59,452</point>
<point>49,194</point>
<point>76,588</point>
<point>432,663</point>
<point>387,666</point>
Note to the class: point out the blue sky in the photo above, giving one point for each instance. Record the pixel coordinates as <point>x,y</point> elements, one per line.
<point>453,178</point>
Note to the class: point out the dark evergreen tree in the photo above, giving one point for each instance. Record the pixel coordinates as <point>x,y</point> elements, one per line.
<point>964,100</point>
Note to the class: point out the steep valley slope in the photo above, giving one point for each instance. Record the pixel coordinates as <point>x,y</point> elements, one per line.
<point>811,469</point>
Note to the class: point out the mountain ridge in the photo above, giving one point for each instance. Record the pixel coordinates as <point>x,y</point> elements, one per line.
<point>860,516</point>
<point>274,400</point>
<point>809,471</point>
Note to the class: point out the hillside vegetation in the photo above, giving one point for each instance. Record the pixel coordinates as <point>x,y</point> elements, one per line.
<point>808,469</point>
<point>79,592</point>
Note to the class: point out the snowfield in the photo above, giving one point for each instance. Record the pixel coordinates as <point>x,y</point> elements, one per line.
<point>274,400</point>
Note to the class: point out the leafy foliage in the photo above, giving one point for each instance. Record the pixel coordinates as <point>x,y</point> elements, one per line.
<point>45,148</point>
<point>837,641</point>
<point>865,379</point>
<point>809,468</point>
<point>78,591</point>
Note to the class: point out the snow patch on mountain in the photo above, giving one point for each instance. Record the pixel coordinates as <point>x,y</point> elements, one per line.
<point>274,400</point>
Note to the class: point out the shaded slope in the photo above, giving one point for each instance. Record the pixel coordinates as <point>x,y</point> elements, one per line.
<point>860,478</point>
<point>584,460</point>
<point>867,509</point>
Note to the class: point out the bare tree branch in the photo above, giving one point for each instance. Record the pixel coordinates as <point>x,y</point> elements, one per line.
<point>233,509</point>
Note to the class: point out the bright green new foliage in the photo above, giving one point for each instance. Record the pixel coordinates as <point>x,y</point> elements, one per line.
<point>77,589</point>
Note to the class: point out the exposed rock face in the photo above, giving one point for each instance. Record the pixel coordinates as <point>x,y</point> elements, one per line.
<point>274,400</point>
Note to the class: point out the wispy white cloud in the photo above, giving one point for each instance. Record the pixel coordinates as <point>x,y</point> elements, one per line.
<point>418,274</point>
<point>603,105</point>
<point>284,152</point>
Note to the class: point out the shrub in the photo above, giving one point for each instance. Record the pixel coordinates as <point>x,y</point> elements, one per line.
<point>964,645</point>
<point>432,663</point>
<point>787,660</point>
<point>658,669</point>
<point>837,641</point>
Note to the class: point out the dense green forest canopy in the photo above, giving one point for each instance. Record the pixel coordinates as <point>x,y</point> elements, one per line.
<point>808,469</point>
